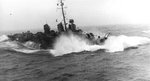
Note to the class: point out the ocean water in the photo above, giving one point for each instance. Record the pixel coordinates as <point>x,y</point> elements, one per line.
<point>124,56</point>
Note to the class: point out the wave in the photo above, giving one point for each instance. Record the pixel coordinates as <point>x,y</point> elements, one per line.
<point>119,43</point>
<point>3,38</point>
<point>27,47</point>
<point>16,46</point>
<point>71,43</point>
<point>28,51</point>
<point>32,45</point>
<point>147,31</point>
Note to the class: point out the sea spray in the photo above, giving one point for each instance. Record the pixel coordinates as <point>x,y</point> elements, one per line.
<point>3,38</point>
<point>27,47</point>
<point>16,46</point>
<point>119,43</point>
<point>32,45</point>
<point>147,31</point>
<point>25,50</point>
<point>71,43</point>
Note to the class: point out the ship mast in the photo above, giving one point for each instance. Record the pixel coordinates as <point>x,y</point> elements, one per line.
<point>64,18</point>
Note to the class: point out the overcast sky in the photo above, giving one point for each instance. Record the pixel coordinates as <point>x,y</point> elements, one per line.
<point>32,14</point>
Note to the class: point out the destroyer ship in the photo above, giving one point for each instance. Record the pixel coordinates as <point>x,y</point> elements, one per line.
<point>46,39</point>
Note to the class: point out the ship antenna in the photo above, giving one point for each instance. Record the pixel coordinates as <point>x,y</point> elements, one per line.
<point>64,18</point>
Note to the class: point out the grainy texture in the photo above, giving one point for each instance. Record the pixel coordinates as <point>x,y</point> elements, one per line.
<point>130,65</point>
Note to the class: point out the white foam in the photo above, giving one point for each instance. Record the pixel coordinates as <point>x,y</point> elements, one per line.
<point>14,45</point>
<point>119,43</point>
<point>3,38</point>
<point>30,44</point>
<point>147,31</point>
<point>9,44</point>
<point>71,43</point>
<point>26,50</point>
<point>68,44</point>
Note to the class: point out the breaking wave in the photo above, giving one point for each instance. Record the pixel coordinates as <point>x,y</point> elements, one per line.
<point>32,45</point>
<point>119,43</point>
<point>147,31</point>
<point>28,47</point>
<point>3,38</point>
<point>71,43</point>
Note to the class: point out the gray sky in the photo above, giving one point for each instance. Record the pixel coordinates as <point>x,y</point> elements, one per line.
<point>32,14</point>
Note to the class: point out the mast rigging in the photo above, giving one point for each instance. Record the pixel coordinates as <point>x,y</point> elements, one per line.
<point>64,18</point>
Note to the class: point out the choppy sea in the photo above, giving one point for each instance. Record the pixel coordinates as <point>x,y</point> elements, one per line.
<point>124,56</point>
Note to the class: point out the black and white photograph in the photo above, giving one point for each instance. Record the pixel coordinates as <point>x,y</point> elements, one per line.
<point>74,40</point>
